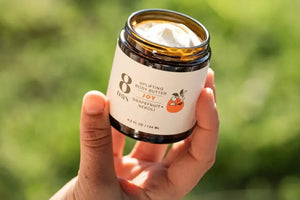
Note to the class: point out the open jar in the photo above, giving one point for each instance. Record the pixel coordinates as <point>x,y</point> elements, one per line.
<point>159,69</point>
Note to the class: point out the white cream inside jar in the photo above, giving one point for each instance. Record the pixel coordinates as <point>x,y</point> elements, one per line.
<point>168,34</point>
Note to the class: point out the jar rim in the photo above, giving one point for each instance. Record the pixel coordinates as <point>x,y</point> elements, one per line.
<point>168,14</point>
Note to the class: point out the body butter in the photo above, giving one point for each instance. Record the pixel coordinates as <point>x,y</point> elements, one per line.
<point>168,33</point>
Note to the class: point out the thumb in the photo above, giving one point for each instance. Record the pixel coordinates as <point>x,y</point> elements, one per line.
<point>96,160</point>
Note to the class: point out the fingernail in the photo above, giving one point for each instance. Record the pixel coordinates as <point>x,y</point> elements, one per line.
<point>211,71</point>
<point>211,93</point>
<point>93,103</point>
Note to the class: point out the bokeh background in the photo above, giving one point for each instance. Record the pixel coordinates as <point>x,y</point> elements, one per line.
<point>52,52</point>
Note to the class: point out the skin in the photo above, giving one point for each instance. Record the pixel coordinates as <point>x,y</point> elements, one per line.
<point>148,172</point>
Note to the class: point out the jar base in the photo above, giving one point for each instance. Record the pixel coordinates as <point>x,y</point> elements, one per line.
<point>148,137</point>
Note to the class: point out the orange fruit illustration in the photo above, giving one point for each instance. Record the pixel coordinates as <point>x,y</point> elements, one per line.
<point>175,106</point>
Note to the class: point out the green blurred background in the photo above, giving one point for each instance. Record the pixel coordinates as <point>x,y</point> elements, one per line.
<point>52,52</point>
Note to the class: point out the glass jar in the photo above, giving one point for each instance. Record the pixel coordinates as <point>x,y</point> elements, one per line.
<point>154,88</point>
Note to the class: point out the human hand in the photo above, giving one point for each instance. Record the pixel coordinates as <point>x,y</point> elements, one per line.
<point>146,173</point>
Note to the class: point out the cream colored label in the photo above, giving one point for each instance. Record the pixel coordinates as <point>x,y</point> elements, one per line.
<point>152,100</point>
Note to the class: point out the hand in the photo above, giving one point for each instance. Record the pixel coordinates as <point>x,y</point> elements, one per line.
<point>146,173</point>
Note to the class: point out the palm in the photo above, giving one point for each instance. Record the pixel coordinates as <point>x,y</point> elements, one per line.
<point>137,170</point>
<point>149,176</point>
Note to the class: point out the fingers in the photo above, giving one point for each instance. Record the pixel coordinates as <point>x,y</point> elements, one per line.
<point>96,160</point>
<point>118,142</point>
<point>148,151</point>
<point>197,154</point>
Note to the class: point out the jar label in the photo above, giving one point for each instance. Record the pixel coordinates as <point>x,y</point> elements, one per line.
<point>151,100</point>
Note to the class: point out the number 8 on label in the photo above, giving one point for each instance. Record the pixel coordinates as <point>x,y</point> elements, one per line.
<point>124,84</point>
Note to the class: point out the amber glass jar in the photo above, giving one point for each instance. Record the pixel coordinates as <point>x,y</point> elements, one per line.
<point>153,88</point>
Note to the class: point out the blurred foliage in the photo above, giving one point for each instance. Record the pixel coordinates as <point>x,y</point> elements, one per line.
<point>52,52</point>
